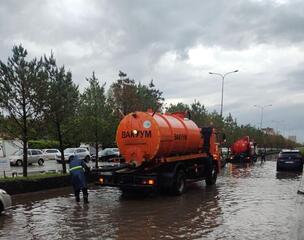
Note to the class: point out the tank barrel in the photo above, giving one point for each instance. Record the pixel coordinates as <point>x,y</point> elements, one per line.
<point>144,136</point>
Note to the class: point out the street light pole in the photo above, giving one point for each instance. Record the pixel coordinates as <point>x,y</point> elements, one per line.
<point>262,113</point>
<point>223,78</point>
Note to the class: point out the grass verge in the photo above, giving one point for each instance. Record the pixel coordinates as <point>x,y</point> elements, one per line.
<point>31,177</point>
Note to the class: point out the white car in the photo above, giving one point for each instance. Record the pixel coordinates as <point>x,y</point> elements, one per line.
<point>5,200</point>
<point>33,156</point>
<point>52,154</point>
<point>106,154</point>
<point>83,153</point>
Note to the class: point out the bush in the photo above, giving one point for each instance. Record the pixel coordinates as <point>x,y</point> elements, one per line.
<point>301,150</point>
<point>42,144</point>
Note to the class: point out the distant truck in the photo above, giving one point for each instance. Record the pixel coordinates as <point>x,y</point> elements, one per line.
<point>9,147</point>
<point>243,150</point>
<point>162,152</point>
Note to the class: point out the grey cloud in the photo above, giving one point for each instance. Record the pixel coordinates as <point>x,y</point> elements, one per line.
<point>133,36</point>
<point>295,80</point>
<point>287,119</point>
<point>157,26</point>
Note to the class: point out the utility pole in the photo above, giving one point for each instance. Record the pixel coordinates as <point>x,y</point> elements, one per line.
<point>223,78</point>
<point>262,113</point>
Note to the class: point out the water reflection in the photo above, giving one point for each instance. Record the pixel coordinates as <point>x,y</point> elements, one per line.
<point>190,216</point>
<point>248,202</point>
<point>240,170</point>
<point>288,175</point>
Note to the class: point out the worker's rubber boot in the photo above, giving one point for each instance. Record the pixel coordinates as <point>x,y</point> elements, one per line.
<point>85,195</point>
<point>85,199</point>
<point>77,195</point>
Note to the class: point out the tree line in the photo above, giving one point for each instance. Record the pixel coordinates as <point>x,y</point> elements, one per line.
<point>39,100</point>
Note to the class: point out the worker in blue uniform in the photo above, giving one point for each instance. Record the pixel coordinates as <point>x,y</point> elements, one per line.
<point>77,169</point>
<point>263,155</point>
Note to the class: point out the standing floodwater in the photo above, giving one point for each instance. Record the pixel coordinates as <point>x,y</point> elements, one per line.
<point>248,202</point>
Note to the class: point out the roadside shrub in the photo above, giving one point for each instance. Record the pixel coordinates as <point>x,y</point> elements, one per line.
<point>42,144</point>
<point>302,150</point>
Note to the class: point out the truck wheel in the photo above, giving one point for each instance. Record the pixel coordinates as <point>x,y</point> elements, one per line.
<point>179,183</point>
<point>19,163</point>
<point>211,175</point>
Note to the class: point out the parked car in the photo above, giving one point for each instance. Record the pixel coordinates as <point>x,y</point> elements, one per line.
<point>52,154</point>
<point>290,160</point>
<point>5,200</point>
<point>83,153</point>
<point>106,154</point>
<point>33,156</point>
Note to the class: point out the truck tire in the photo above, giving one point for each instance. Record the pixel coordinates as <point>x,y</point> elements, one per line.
<point>211,174</point>
<point>179,183</point>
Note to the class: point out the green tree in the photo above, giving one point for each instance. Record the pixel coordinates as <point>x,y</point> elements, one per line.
<point>22,87</point>
<point>229,126</point>
<point>95,114</point>
<point>149,97</point>
<point>179,107</point>
<point>62,100</point>
<point>126,96</point>
<point>199,114</point>
<point>122,95</point>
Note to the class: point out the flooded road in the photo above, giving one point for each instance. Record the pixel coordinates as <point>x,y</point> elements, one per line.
<point>248,202</point>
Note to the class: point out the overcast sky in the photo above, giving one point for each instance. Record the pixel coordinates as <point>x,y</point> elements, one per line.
<point>177,43</point>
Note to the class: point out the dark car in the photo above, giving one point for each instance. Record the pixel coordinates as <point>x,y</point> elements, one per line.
<point>106,155</point>
<point>290,160</point>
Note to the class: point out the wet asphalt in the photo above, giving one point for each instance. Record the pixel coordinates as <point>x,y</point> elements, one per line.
<point>247,202</point>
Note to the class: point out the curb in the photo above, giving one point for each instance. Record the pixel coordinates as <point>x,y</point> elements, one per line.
<point>33,185</point>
